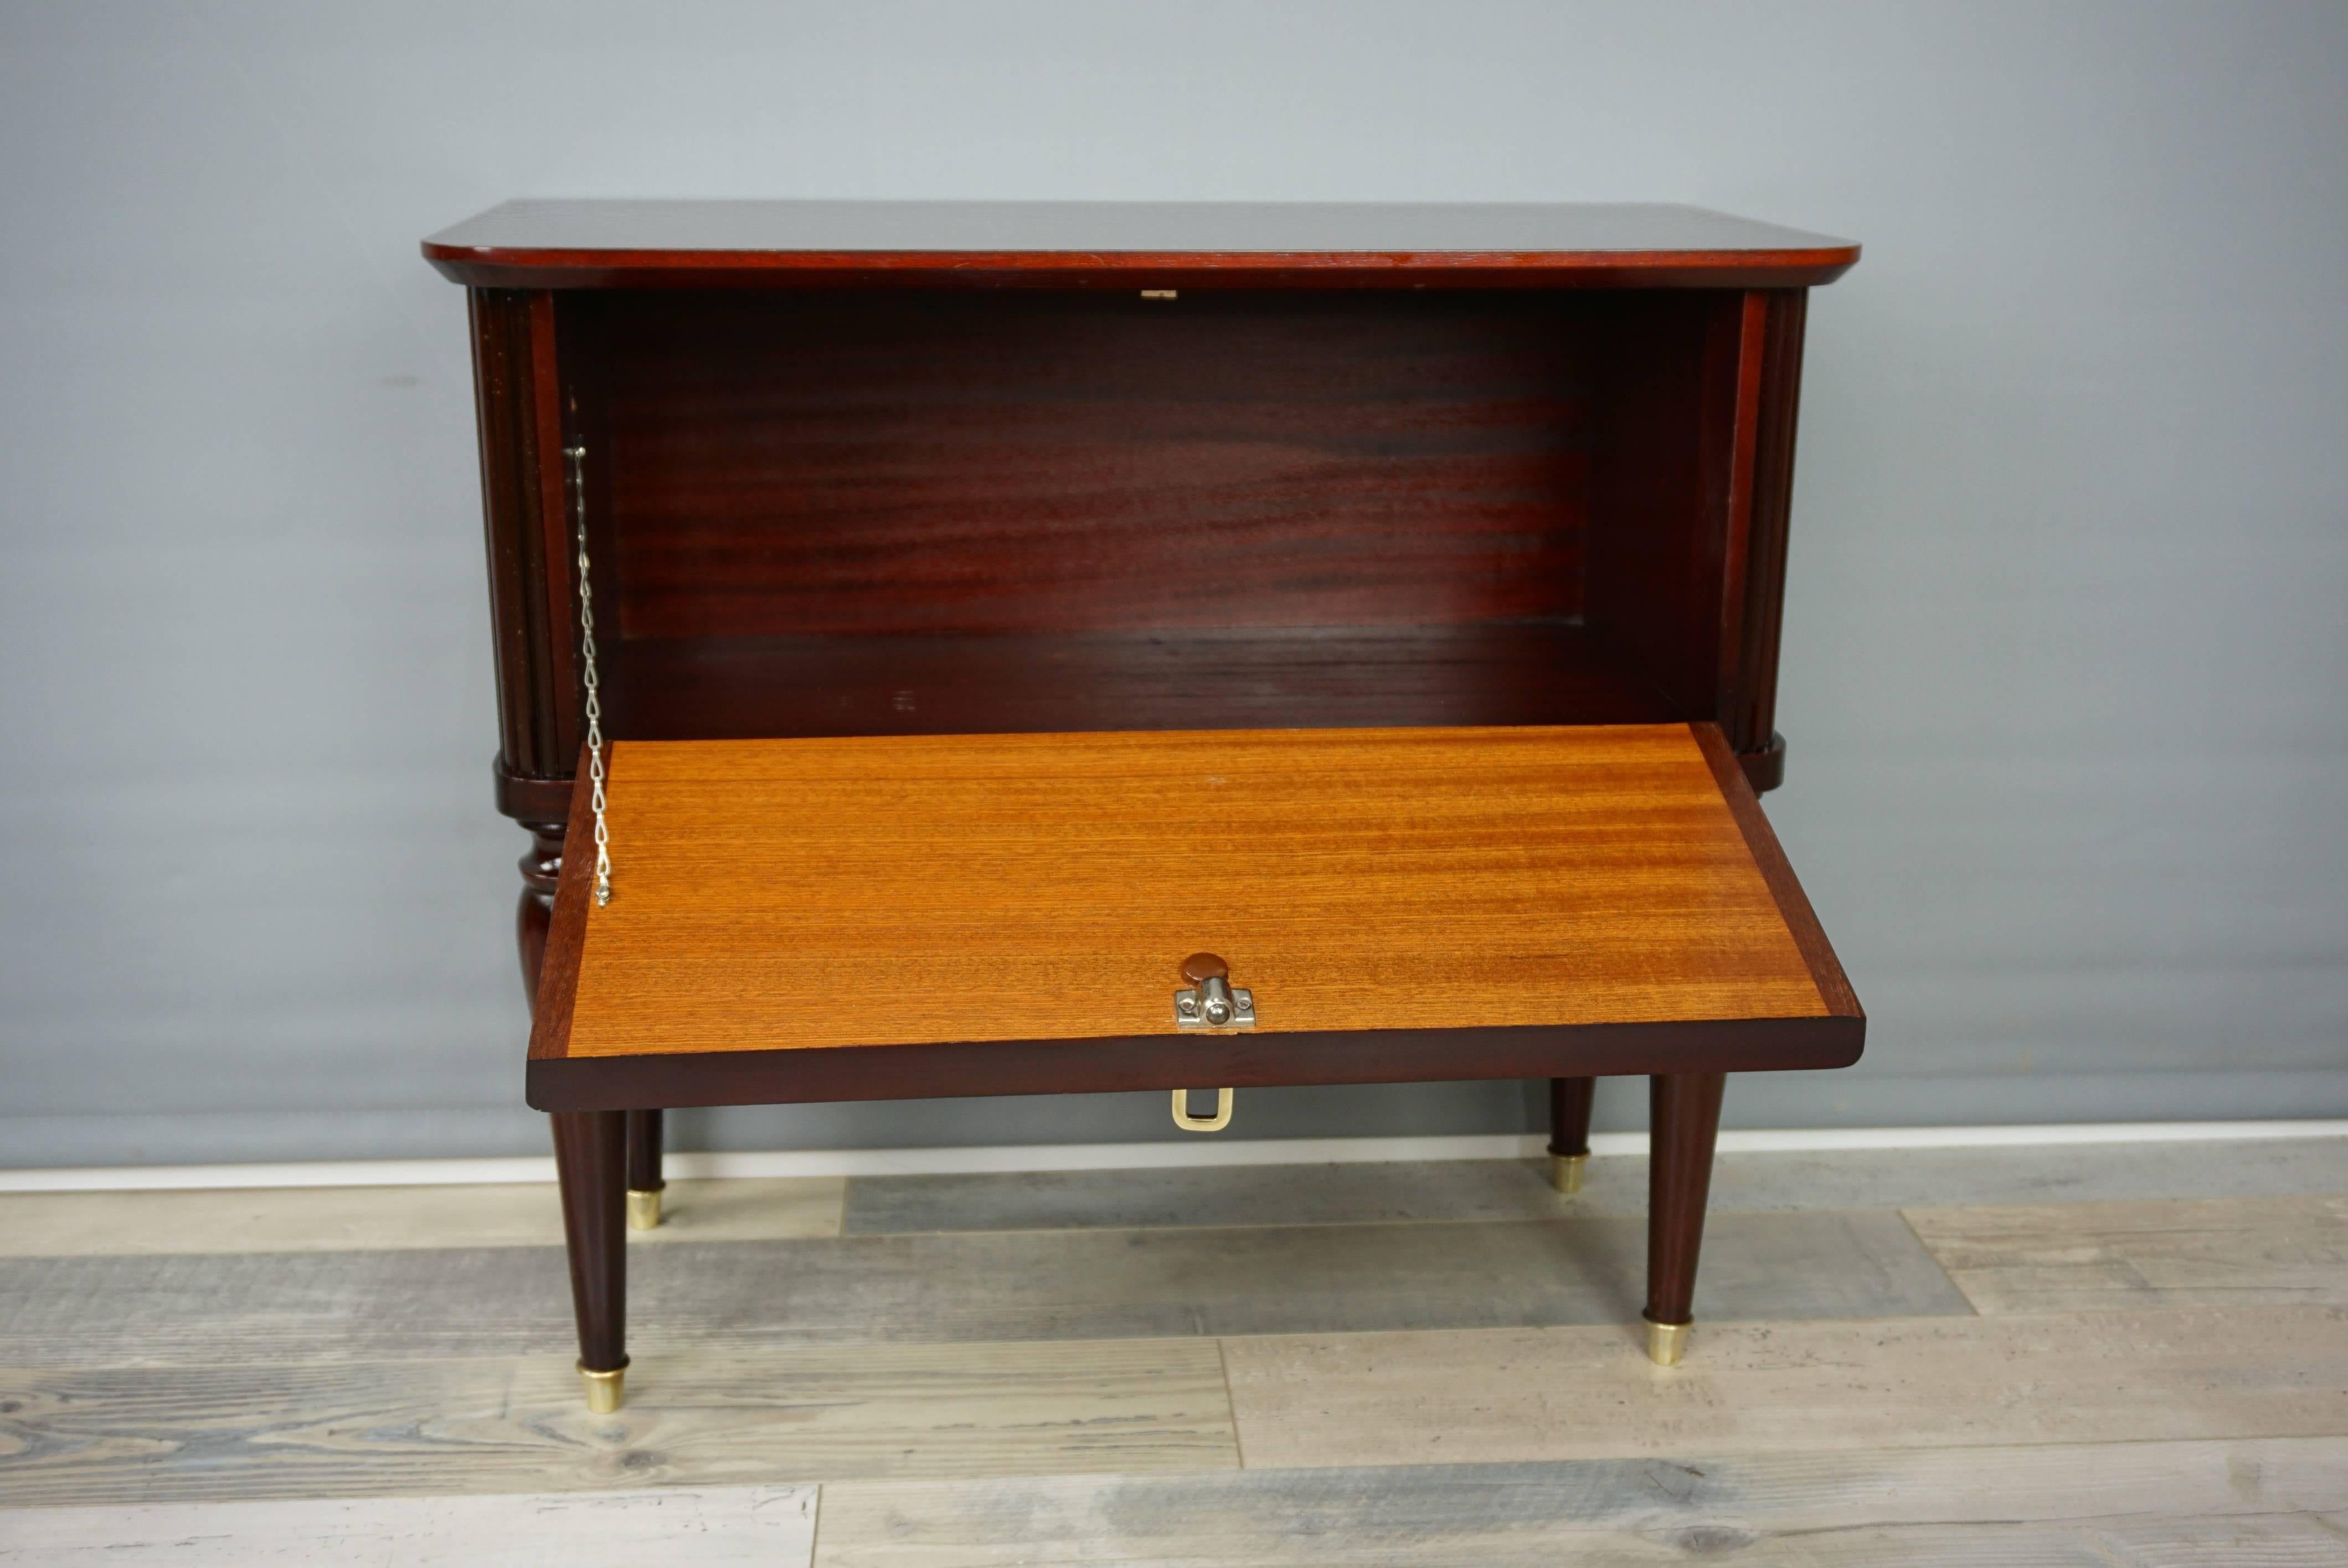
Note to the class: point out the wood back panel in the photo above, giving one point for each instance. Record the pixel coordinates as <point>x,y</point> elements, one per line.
<point>791,895</point>
<point>953,462</point>
<point>1486,672</point>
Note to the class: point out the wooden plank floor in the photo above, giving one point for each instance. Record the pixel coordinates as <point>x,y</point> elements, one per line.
<point>2126,1354</point>
<point>385,1219</point>
<point>751,1526</point>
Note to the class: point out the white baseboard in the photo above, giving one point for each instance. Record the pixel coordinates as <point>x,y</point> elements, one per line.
<point>691,1166</point>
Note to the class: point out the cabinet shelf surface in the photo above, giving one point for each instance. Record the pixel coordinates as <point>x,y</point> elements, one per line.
<point>892,917</point>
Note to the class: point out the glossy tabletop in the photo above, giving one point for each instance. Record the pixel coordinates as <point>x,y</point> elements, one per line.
<point>591,243</point>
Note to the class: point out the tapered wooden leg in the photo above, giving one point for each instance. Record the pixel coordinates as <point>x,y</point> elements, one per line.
<point>1569,1130</point>
<point>1685,1120</point>
<point>590,1156</point>
<point>645,1182</point>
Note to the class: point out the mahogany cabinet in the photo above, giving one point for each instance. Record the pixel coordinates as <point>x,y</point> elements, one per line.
<point>1007,617</point>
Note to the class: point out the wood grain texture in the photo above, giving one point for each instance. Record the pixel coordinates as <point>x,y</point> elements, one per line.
<point>364,1219</point>
<point>2251,1541</point>
<point>1566,1393</point>
<point>1039,1285</point>
<point>1665,411</point>
<point>557,968</point>
<point>1748,713</point>
<point>284,1308</point>
<point>1613,1185</point>
<point>728,1527</point>
<point>1125,244</point>
<point>2215,1503</point>
<point>694,1417</point>
<point>2086,1437</point>
<point>795,464</point>
<point>1486,672</point>
<point>1745,432</point>
<point>1212,1195</point>
<point>508,404</point>
<point>2220,1252</point>
<point>1784,887</point>
<point>783,895</point>
<point>2235,1540</point>
<point>559,581</point>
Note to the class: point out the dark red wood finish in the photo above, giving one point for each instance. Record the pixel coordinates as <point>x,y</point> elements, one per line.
<point>1492,672</point>
<point>1409,571</point>
<point>1683,1120</point>
<point>1063,245</point>
<point>1570,1102</point>
<point>1747,703</point>
<point>1373,466</point>
<point>1160,1062</point>
<point>816,522</point>
<point>541,870</point>
<point>945,462</point>
<point>591,1159</point>
<point>531,623</point>
<point>1660,488</point>
<point>644,1151</point>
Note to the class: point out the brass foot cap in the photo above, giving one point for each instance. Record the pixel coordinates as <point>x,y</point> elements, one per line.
<point>1666,1342</point>
<point>602,1388</point>
<point>1565,1171</point>
<point>644,1209</point>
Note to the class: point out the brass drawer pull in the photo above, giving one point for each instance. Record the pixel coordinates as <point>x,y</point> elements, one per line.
<point>1215,1124</point>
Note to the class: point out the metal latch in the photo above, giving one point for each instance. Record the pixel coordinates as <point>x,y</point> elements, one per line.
<point>1213,1004</point>
<point>1210,1003</point>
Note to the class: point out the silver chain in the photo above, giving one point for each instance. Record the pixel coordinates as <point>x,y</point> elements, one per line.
<point>578,456</point>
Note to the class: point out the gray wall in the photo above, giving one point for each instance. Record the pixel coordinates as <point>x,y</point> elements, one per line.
<point>2064,668</point>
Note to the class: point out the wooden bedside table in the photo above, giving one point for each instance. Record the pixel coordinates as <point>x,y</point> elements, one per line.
<point>996,607</point>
